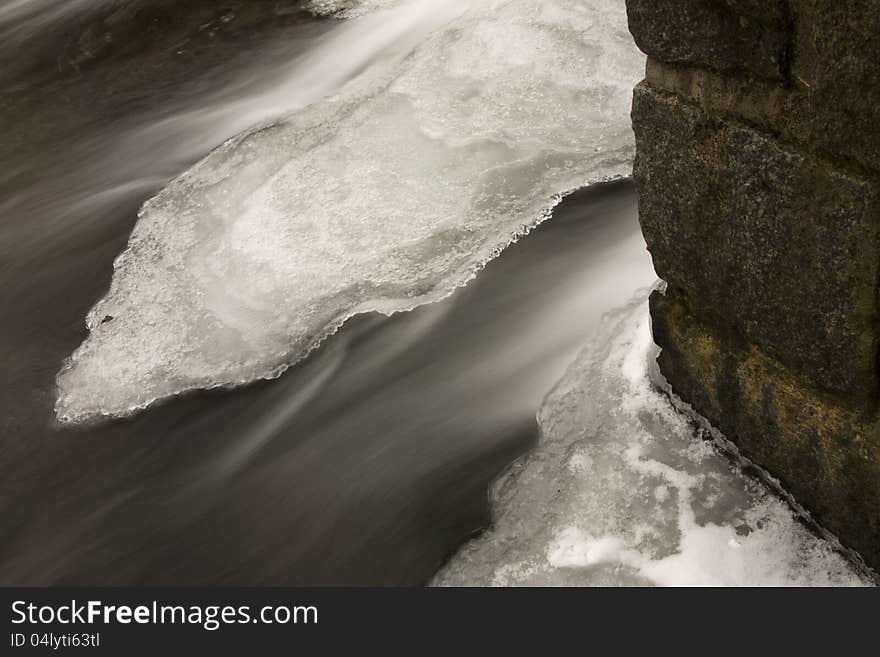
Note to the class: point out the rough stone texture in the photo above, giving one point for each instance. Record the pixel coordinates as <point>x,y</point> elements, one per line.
<point>781,110</point>
<point>758,168</point>
<point>821,56</point>
<point>799,268</point>
<point>837,62</point>
<point>825,454</point>
<point>727,35</point>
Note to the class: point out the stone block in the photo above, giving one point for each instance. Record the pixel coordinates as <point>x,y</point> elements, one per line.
<point>726,35</point>
<point>777,243</point>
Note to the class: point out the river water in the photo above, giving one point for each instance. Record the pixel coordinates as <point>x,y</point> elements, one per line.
<point>370,460</point>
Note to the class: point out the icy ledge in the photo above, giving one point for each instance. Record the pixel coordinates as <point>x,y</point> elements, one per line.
<point>384,197</point>
<point>623,491</point>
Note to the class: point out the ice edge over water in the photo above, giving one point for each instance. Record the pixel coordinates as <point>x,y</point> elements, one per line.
<point>624,489</point>
<point>388,308</point>
<point>390,195</point>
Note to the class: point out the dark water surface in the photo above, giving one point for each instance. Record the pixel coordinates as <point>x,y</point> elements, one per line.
<point>366,464</point>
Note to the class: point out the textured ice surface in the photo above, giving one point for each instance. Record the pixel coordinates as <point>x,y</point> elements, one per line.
<point>352,8</point>
<point>623,491</point>
<point>385,196</point>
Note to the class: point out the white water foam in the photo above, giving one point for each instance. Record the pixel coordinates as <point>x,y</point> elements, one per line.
<point>385,196</point>
<point>622,491</point>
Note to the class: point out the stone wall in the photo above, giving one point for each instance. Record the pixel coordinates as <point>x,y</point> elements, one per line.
<point>758,169</point>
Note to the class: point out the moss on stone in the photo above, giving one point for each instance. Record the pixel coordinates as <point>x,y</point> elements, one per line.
<point>825,451</point>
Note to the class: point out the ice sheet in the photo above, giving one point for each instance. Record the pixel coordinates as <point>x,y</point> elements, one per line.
<point>382,197</point>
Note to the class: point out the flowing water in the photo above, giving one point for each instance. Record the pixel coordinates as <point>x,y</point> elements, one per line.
<point>262,367</point>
